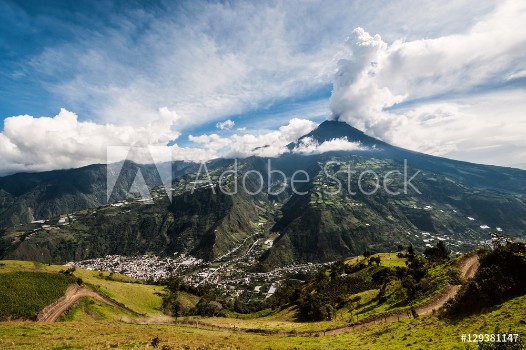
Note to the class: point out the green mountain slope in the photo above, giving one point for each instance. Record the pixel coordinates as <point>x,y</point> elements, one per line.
<point>202,224</point>
<point>459,203</point>
<point>25,197</point>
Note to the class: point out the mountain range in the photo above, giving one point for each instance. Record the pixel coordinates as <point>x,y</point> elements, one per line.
<point>460,203</point>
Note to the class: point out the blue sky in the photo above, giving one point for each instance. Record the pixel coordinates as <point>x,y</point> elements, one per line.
<point>79,76</point>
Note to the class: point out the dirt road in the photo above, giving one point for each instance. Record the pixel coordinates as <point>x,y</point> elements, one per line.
<point>468,266</point>
<point>52,312</point>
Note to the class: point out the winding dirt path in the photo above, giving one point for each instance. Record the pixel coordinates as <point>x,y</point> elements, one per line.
<point>52,312</point>
<point>468,266</point>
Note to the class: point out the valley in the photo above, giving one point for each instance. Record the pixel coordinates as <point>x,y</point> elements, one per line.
<point>358,244</point>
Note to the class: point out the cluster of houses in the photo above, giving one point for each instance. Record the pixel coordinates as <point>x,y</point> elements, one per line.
<point>144,267</point>
<point>229,278</point>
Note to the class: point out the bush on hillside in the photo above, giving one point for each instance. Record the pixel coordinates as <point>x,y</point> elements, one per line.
<point>500,277</point>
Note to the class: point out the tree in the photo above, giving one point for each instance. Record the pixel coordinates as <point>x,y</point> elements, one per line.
<point>208,307</point>
<point>170,303</point>
<point>327,312</point>
<point>382,278</point>
<point>400,272</point>
<point>417,268</point>
<point>410,250</point>
<point>500,277</point>
<point>322,280</point>
<point>173,283</point>
<point>375,259</point>
<point>437,253</point>
<point>411,286</point>
<point>176,309</point>
<point>337,268</point>
<point>313,307</point>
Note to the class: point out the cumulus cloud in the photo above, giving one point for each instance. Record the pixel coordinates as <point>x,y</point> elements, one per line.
<point>226,125</point>
<point>412,92</point>
<point>266,144</point>
<point>192,154</point>
<point>35,144</point>
<point>230,57</point>
<point>358,97</point>
<point>270,144</point>
<point>212,142</point>
<point>309,145</point>
<point>426,94</point>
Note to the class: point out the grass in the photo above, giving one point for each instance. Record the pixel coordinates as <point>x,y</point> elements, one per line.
<point>91,324</point>
<point>138,297</point>
<point>24,293</point>
<point>387,259</point>
<point>427,332</point>
<point>128,291</point>
<point>88,309</point>
<point>78,311</point>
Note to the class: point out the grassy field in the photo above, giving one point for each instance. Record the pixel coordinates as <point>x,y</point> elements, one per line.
<point>423,333</point>
<point>24,293</point>
<point>88,309</point>
<point>139,297</point>
<point>387,259</point>
<point>91,324</point>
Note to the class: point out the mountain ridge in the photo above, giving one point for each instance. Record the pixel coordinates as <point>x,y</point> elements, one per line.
<point>460,203</point>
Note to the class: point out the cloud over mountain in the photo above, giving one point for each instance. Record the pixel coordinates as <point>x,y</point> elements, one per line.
<point>266,144</point>
<point>446,80</point>
<point>308,145</point>
<point>420,93</point>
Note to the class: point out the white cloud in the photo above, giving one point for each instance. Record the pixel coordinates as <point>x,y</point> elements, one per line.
<point>149,76</point>
<point>208,61</point>
<point>267,144</point>
<point>310,146</point>
<point>191,154</point>
<point>35,144</point>
<point>226,125</point>
<point>452,83</point>
<point>212,142</point>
